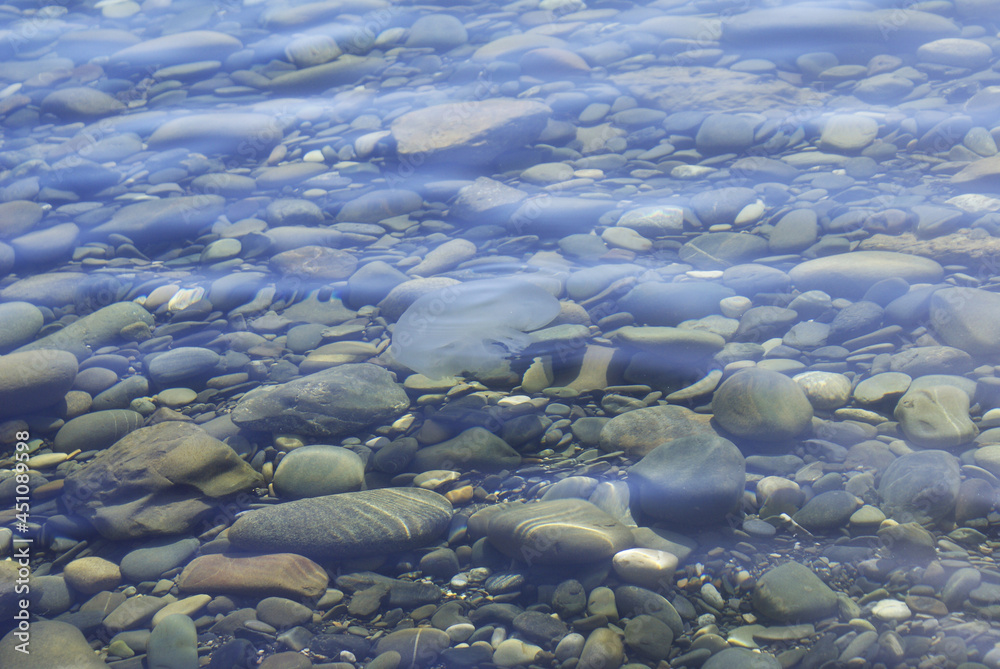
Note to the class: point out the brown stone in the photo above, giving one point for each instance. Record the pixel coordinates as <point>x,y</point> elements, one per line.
<point>274,575</point>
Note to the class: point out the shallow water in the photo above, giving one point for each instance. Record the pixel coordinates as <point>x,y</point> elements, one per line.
<point>238,244</point>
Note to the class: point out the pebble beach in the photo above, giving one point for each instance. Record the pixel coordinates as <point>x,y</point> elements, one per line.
<point>551,334</point>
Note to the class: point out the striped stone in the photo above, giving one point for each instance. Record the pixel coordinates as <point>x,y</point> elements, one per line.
<point>557,532</point>
<point>348,525</point>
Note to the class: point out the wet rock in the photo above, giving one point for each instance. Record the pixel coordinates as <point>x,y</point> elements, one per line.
<point>956,52</point>
<point>468,132</point>
<point>225,133</point>
<point>848,133</point>
<point>557,532</point>
<point>96,430</point>
<point>416,647</point>
<point>275,574</point>
<point>967,318</point>
<point>57,644</point>
<point>333,402</point>
<point>179,365</point>
<point>98,329</point>
<point>18,217</point>
<point>670,304</point>
<point>920,487</point>
<point>348,525</point>
<point>792,593</point>
<point>173,643</point>
<point>176,48</point>
<point>437,31</point>
<point>827,512</point>
<point>475,448</point>
<point>80,103</point>
<point>157,480</point>
<point>719,250</point>
<point>760,404</point>
<point>936,417</point>
<point>639,432</point>
<point>724,133</point>
<point>162,220</point>
<point>314,471</point>
<point>690,480</point>
<point>151,560</point>
<point>851,274</point>
<point>741,658</point>
<point>34,380</point>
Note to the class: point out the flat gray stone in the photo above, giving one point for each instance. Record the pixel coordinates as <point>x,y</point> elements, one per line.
<point>852,274</point>
<point>693,480</point>
<point>348,525</point>
<point>168,219</point>
<point>179,365</point>
<point>792,593</point>
<point>920,487</point>
<point>967,318</point>
<point>473,132</point>
<point>337,401</point>
<point>19,323</point>
<point>150,561</point>
<point>936,417</point>
<point>475,448</point>
<point>80,103</point>
<point>31,381</point>
<point>101,328</point>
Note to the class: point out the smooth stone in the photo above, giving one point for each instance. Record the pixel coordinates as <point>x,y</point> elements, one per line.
<point>97,430</point>
<point>173,644</point>
<point>633,600</point>
<point>80,103</point>
<point>669,304</point>
<point>283,613</point>
<point>54,644</point>
<point>177,48</point>
<point>852,274</point>
<point>475,448</point>
<point>437,31</point>
<point>315,263</point>
<point>333,402</point>
<point>160,220</point>
<point>514,652</point>
<point>825,390</point>
<point>920,487</point>
<point>922,360</point>
<point>647,567</point>
<point>649,637</point>
<point>724,133</point>
<point>293,211</point>
<point>719,250</point>
<point>690,480</point>
<point>186,363</point>
<point>968,319</point>
<point>758,404</point>
<point>471,132</point>
<point>557,532</point>
<point>638,432</point>
<point>792,593</point>
<point>828,511</point>
<point>988,457</point>
<point>348,525</point>
<point>156,480</point>
<point>604,648</point>
<point>891,610</point>
<point>673,347</point>
<point>654,222</point>
<point>93,331</point>
<point>18,217</point>
<point>53,289</point>
<point>187,606</point>
<point>274,574</point>
<point>317,470</point>
<point>150,561</point>
<point>741,658</point>
<point>721,206</point>
<point>417,647</point>
<point>45,246</point>
<point>794,232</point>
<point>848,133</point>
<point>956,52</point>
<point>90,575</point>
<point>34,380</point>
<point>936,417</point>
